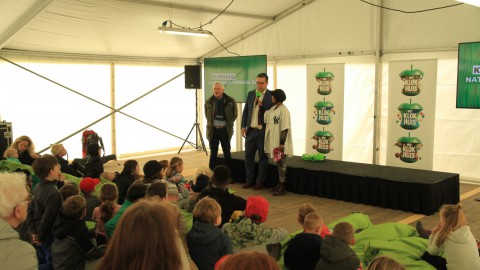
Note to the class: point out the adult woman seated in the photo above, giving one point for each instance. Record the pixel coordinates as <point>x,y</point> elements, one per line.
<point>59,151</point>
<point>26,150</point>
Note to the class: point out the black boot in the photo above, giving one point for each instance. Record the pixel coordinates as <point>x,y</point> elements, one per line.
<point>275,188</point>
<point>282,190</point>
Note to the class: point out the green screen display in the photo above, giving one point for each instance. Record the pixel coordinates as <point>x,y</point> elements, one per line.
<point>237,74</point>
<point>468,77</point>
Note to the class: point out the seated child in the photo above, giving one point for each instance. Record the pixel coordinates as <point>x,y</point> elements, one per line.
<point>154,171</point>
<point>174,176</point>
<point>157,191</point>
<point>107,209</point>
<point>87,186</point>
<point>249,233</point>
<point>303,251</point>
<point>201,183</point>
<point>68,190</point>
<point>11,154</point>
<point>306,209</point>
<point>73,242</point>
<point>335,252</point>
<point>452,237</point>
<point>219,191</point>
<point>206,242</point>
<point>384,263</point>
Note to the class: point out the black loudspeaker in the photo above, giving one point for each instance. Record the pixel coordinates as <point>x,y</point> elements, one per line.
<point>193,77</point>
<point>5,136</point>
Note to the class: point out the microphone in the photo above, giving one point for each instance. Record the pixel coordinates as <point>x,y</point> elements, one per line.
<point>258,95</point>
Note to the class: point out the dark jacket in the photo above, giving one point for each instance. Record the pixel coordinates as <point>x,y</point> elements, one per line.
<point>229,202</point>
<point>92,202</point>
<point>123,182</point>
<point>44,209</point>
<point>207,244</point>
<point>230,108</point>
<point>67,168</point>
<point>336,255</point>
<point>73,244</point>
<point>25,158</point>
<point>93,167</point>
<point>303,251</point>
<point>250,104</point>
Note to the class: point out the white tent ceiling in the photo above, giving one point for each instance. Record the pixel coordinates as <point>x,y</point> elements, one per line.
<point>128,28</point>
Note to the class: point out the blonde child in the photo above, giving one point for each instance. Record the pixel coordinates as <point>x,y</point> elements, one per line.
<point>174,176</point>
<point>206,242</point>
<point>303,252</point>
<point>11,155</point>
<point>454,238</point>
<point>103,213</point>
<point>306,209</point>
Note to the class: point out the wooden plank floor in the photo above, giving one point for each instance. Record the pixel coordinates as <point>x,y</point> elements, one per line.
<point>283,209</point>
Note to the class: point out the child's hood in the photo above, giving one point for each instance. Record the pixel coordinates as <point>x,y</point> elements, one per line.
<point>334,250</point>
<point>461,235</point>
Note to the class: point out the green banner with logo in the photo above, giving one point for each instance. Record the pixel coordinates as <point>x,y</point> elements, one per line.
<point>237,74</point>
<point>468,78</point>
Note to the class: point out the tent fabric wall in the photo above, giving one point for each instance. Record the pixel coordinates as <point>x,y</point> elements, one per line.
<point>327,28</point>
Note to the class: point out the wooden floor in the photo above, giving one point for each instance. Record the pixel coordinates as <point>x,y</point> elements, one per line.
<point>283,209</point>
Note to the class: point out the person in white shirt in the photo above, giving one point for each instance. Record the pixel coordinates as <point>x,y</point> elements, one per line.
<point>278,138</point>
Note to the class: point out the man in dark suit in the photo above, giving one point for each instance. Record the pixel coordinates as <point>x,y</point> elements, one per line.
<point>253,130</point>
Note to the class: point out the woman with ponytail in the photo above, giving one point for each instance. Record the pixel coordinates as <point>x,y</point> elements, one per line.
<point>109,207</point>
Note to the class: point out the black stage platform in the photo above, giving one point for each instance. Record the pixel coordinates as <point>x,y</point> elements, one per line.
<point>411,190</point>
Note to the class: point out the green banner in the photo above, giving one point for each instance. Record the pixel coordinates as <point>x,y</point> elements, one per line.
<point>237,74</point>
<point>468,78</point>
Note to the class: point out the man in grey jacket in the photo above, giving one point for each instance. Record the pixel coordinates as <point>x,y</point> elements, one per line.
<point>14,198</point>
<point>221,113</point>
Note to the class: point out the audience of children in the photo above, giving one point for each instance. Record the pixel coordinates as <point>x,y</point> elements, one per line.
<point>129,174</point>
<point>219,191</point>
<point>249,260</point>
<point>63,240</point>
<point>108,208</point>
<point>384,263</point>
<point>206,242</point>
<point>174,176</point>
<point>59,151</point>
<point>46,204</point>
<point>146,238</point>
<point>303,251</point>
<point>135,192</point>
<point>87,187</point>
<point>11,155</point>
<point>335,252</point>
<point>73,242</point>
<point>26,150</point>
<point>249,232</point>
<point>68,190</point>
<point>14,198</point>
<point>94,163</point>
<point>452,237</point>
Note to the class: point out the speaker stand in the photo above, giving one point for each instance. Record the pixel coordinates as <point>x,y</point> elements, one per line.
<point>198,131</point>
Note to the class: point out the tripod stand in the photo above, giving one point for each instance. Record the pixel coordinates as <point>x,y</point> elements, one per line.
<point>198,131</point>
